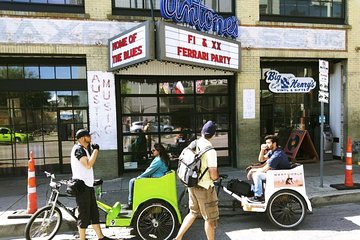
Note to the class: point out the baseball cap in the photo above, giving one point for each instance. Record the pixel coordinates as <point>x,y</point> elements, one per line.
<point>209,128</point>
<point>81,133</point>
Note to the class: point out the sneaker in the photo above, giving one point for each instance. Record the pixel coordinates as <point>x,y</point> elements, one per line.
<point>127,207</point>
<point>256,199</point>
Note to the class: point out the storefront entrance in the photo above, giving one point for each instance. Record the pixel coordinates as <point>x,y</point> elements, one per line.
<point>280,113</point>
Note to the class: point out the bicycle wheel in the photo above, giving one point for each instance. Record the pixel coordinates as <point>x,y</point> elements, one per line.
<point>44,224</point>
<point>156,220</point>
<point>286,209</point>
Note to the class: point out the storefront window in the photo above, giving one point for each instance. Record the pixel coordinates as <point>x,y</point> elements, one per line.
<point>172,115</point>
<point>220,6</point>
<point>72,6</point>
<point>300,10</point>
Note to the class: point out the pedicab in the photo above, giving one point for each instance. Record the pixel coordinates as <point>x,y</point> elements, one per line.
<point>286,203</point>
<point>154,214</point>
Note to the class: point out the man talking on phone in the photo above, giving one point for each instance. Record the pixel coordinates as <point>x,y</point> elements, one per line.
<point>276,159</point>
<point>83,158</point>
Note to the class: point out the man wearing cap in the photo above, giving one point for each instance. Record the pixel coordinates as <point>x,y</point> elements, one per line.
<point>82,162</point>
<point>203,198</point>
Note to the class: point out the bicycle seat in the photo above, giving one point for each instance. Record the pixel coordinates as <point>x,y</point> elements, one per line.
<point>98,182</point>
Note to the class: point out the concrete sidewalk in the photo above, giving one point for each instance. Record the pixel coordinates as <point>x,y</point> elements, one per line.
<point>13,192</point>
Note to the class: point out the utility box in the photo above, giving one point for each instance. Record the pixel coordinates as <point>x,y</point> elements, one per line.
<point>328,142</point>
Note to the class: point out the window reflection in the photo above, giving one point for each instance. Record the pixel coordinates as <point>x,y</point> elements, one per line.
<point>78,72</point>
<point>15,72</point>
<point>62,72</point>
<point>47,72</point>
<point>139,105</point>
<point>3,72</point>
<point>314,8</point>
<point>137,86</point>
<point>31,72</point>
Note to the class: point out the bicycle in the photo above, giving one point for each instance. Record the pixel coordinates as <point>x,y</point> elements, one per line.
<point>286,203</point>
<point>155,213</point>
<point>45,223</point>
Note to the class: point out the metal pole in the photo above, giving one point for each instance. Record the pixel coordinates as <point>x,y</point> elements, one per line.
<point>321,144</point>
<point>152,10</point>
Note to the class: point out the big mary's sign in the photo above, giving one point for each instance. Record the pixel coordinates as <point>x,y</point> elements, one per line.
<point>131,47</point>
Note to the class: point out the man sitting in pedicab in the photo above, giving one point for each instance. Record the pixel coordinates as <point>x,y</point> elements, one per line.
<point>158,168</point>
<point>276,159</point>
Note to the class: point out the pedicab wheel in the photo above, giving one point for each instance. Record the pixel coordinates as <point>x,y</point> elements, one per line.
<point>286,209</point>
<point>44,224</point>
<point>156,220</point>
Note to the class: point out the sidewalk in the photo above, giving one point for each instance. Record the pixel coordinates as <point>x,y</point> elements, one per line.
<point>13,192</point>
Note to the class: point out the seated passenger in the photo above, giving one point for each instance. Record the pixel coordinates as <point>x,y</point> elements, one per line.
<point>158,167</point>
<point>277,159</point>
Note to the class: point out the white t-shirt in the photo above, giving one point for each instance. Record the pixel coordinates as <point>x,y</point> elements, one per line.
<point>79,171</point>
<point>208,159</point>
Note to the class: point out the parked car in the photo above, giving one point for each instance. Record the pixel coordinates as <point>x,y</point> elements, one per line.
<point>139,125</point>
<point>9,136</point>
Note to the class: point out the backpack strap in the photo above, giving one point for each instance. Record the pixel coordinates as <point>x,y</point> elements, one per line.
<point>198,156</point>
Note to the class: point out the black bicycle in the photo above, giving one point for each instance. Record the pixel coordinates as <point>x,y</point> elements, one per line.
<point>46,222</point>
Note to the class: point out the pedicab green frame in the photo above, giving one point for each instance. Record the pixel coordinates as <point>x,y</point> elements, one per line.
<point>146,191</point>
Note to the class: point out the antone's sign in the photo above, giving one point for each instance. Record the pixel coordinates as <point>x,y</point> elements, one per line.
<point>197,14</point>
<point>184,45</point>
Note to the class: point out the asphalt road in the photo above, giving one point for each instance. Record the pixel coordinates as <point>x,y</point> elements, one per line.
<point>328,223</point>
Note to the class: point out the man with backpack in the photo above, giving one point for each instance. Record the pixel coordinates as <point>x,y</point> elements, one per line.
<point>203,199</point>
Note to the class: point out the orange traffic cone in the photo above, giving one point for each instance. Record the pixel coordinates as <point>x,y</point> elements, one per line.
<point>348,169</point>
<point>32,196</point>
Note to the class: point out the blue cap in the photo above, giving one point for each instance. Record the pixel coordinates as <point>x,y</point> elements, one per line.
<point>209,129</point>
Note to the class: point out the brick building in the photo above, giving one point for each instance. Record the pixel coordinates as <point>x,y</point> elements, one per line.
<point>56,78</point>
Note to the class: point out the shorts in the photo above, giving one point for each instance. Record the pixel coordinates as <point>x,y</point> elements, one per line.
<point>205,202</point>
<point>87,207</point>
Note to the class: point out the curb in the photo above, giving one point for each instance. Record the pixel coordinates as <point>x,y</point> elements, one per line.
<point>348,197</point>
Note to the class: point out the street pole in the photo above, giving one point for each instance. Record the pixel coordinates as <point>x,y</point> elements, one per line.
<point>322,117</point>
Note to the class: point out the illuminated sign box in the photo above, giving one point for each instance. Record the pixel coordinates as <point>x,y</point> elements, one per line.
<point>183,45</point>
<point>132,46</point>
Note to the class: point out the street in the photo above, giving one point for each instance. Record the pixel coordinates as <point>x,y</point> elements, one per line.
<point>329,222</point>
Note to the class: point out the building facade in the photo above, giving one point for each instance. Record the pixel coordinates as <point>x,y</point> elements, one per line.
<point>57,77</point>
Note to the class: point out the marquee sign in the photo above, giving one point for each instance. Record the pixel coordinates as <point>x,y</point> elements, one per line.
<point>184,45</point>
<point>288,83</point>
<point>197,14</point>
<point>132,46</point>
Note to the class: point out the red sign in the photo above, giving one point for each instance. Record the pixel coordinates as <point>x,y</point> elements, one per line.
<point>131,47</point>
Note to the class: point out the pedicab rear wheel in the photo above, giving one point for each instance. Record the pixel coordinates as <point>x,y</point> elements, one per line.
<point>156,220</point>
<point>286,209</point>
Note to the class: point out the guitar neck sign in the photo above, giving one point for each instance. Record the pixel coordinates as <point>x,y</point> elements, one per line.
<point>197,14</point>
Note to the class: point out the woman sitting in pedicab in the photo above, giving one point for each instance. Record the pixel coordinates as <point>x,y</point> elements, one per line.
<point>158,168</point>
